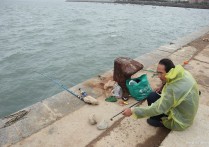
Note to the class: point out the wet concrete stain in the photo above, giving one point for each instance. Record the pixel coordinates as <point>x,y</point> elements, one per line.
<point>155,140</point>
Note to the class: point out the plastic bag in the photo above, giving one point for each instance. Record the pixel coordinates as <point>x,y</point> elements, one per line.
<point>139,88</point>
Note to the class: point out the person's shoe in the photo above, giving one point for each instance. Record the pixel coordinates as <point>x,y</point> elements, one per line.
<point>154,122</point>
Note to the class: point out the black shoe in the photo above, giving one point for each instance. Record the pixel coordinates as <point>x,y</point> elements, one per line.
<point>155,123</point>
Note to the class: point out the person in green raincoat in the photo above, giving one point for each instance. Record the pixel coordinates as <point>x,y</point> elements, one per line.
<point>175,104</point>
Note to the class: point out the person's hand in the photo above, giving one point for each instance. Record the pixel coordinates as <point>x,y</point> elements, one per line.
<point>158,90</point>
<point>127,112</point>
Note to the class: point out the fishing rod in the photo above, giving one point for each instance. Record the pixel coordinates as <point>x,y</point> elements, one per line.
<point>149,70</point>
<point>123,110</point>
<point>61,85</point>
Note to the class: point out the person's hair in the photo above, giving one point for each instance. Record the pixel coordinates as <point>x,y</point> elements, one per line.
<point>167,63</point>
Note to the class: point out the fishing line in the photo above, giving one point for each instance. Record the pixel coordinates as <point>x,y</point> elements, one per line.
<point>56,82</point>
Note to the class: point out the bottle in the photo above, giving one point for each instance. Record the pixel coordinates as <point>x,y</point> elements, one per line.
<point>83,93</point>
<point>117,91</point>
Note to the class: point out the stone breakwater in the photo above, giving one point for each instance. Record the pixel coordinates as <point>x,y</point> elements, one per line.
<point>154,3</point>
<point>169,4</point>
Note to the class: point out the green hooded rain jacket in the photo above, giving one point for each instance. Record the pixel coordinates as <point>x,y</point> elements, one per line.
<point>179,100</point>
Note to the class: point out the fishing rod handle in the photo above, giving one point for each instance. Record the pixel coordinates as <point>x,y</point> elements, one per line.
<point>123,110</point>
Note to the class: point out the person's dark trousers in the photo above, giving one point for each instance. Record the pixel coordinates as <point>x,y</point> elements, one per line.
<point>151,99</point>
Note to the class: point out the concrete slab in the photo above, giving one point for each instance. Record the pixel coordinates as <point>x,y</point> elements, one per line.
<point>200,71</point>
<point>24,127</point>
<point>9,135</point>
<point>196,135</point>
<point>73,128</point>
<point>62,104</point>
<point>203,55</point>
<point>39,114</point>
<point>182,55</point>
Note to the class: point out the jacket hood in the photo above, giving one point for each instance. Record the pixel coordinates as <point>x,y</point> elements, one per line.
<point>174,73</point>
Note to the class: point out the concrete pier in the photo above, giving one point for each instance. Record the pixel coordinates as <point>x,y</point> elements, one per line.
<point>62,120</point>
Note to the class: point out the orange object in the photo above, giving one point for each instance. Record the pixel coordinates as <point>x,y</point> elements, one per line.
<point>122,103</point>
<point>186,62</point>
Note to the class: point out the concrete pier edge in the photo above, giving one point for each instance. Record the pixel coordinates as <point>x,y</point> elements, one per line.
<point>48,111</point>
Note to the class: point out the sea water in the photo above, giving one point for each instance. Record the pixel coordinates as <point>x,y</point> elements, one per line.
<point>73,41</point>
